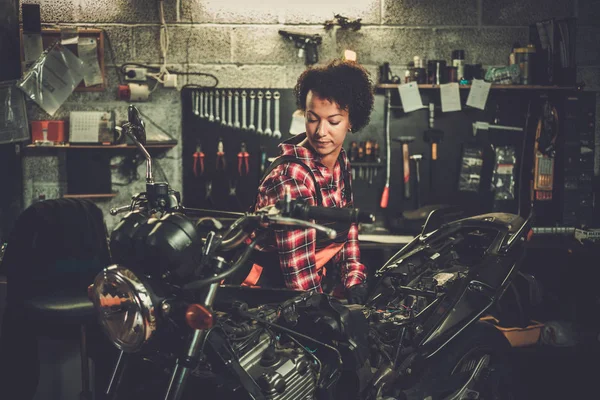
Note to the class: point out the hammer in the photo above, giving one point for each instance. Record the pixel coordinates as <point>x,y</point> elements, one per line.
<point>405,140</point>
<point>417,158</point>
<point>433,136</point>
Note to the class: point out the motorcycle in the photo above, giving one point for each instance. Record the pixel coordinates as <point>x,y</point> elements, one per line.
<point>184,332</point>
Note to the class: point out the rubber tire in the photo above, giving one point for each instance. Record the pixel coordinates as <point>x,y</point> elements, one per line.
<point>480,336</point>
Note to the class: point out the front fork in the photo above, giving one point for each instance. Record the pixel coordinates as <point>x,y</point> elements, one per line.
<point>185,365</point>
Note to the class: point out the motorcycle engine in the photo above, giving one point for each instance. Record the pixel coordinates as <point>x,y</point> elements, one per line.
<point>281,374</point>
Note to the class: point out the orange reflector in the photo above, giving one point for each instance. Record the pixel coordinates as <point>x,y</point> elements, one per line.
<point>529,235</point>
<point>199,317</point>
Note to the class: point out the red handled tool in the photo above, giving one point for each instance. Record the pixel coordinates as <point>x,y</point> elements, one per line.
<point>221,162</point>
<point>198,161</point>
<point>244,156</point>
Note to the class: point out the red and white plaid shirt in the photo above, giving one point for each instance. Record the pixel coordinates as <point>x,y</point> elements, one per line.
<point>297,247</point>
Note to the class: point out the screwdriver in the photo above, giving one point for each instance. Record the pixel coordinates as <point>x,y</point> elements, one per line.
<point>361,157</point>
<point>353,157</point>
<point>376,156</point>
<point>368,158</point>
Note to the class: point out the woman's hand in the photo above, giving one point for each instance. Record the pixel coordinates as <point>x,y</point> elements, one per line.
<point>357,294</point>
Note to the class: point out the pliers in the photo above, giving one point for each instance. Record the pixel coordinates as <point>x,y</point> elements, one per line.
<point>198,161</point>
<point>221,156</point>
<point>243,155</point>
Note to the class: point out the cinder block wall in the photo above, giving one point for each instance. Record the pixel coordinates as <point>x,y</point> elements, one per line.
<point>238,42</point>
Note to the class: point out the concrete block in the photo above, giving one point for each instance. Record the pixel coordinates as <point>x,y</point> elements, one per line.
<point>430,12</point>
<point>120,39</point>
<point>588,12</point>
<point>255,76</point>
<point>187,44</point>
<point>264,45</point>
<point>53,10</point>
<point>317,12</point>
<point>525,12</point>
<point>124,11</point>
<point>232,12</point>
<point>375,45</point>
<point>44,166</point>
<point>588,50</point>
<point>590,76</point>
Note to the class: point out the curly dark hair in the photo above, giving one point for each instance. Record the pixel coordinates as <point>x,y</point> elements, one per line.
<point>346,83</point>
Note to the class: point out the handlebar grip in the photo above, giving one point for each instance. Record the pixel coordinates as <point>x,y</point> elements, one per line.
<point>351,215</point>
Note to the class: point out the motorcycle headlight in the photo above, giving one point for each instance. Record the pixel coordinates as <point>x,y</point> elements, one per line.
<point>125,308</point>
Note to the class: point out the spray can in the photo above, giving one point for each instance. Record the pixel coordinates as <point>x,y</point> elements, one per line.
<point>458,61</point>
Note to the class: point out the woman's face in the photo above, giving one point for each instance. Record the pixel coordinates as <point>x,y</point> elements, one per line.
<point>326,125</point>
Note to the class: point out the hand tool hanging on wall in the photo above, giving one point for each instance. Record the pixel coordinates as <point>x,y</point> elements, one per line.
<point>243,158</point>
<point>223,98</point>
<point>217,98</point>
<point>236,109</point>
<point>195,97</point>
<point>376,156</point>
<point>206,101</point>
<point>417,158</point>
<point>198,166</point>
<point>369,158</point>
<point>221,162</point>
<point>386,128</point>
<point>260,95</point>
<point>244,95</point>
<point>252,107</point>
<point>276,132</point>
<point>208,195</point>
<point>353,157</point>
<point>405,140</point>
<point>433,136</point>
<point>201,106</point>
<point>211,115</point>
<point>229,108</point>
<point>361,158</point>
<point>268,97</point>
<point>263,160</point>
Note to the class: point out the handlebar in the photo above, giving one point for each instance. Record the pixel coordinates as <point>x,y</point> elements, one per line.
<point>349,215</point>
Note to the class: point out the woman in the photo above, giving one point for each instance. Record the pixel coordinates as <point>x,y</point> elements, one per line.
<point>336,99</point>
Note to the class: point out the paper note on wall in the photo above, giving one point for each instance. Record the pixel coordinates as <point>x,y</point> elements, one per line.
<point>87,50</point>
<point>297,125</point>
<point>450,97</point>
<point>410,96</point>
<point>478,94</point>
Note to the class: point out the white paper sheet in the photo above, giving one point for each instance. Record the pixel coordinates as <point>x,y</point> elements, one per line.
<point>410,96</point>
<point>450,95</point>
<point>478,94</point>
<point>87,51</point>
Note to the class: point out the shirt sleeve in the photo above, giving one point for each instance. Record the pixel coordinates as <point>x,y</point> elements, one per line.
<point>296,247</point>
<point>352,270</point>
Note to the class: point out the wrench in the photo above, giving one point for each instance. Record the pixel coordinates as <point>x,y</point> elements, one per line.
<point>260,97</point>
<point>252,101</point>
<point>276,132</point>
<point>195,102</point>
<point>205,105</point>
<point>268,97</point>
<point>236,102</point>
<point>211,116</point>
<point>201,110</point>
<point>229,100</point>
<point>223,121</point>
<point>244,95</point>
<point>217,97</point>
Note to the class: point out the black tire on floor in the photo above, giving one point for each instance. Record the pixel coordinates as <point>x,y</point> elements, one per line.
<point>477,341</point>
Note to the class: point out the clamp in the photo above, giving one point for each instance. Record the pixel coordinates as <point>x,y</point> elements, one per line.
<point>243,155</point>
<point>198,161</point>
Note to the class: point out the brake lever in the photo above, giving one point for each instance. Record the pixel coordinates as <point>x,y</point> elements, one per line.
<point>331,233</point>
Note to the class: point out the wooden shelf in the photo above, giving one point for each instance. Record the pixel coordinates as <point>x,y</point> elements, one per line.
<point>508,87</point>
<point>168,145</point>
<point>90,196</point>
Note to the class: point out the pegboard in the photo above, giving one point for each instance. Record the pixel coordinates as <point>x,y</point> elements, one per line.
<point>439,182</point>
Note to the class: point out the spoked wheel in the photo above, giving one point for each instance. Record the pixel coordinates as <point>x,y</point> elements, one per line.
<point>473,366</point>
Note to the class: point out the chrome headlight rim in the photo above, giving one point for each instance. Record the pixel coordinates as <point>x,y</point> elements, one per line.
<point>143,297</point>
